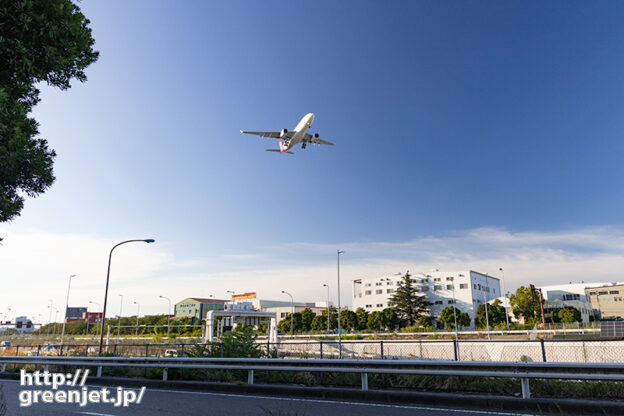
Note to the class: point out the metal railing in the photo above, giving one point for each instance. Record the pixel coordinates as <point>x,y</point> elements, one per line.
<point>524,371</point>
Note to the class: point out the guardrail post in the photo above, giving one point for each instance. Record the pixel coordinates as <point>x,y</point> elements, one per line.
<point>543,350</point>
<point>526,390</point>
<point>165,373</point>
<point>61,350</point>
<point>99,371</point>
<point>45,368</point>
<point>250,377</point>
<point>364,381</point>
<point>3,368</point>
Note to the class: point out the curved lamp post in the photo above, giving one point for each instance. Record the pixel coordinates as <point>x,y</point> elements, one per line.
<point>66,307</point>
<point>292,312</point>
<point>168,315</point>
<point>327,286</point>
<point>148,240</point>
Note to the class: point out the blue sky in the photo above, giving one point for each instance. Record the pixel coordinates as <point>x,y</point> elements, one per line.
<point>448,117</point>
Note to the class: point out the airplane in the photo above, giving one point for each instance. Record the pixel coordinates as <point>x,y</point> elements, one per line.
<point>289,139</point>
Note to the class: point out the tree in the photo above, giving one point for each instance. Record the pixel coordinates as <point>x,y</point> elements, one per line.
<point>522,305</point>
<point>307,316</point>
<point>284,324</point>
<point>39,41</point>
<point>389,319</point>
<point>447,317</point>
<point>569,314</point>
<point>375,321</point>
<point>319,323</point>
<point>406,303</point>
<point>362,319</point>
<point>348,319</point>
<point>495,314</point>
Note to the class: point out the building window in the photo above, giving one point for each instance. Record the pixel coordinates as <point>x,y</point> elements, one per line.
<point>413,280</point>
<point>449,279</point>
<point>380,305</point>
<point>438,302</point>
<point>614,292</point>
<point>475,285</point>
<point>438,287</point>
<point>368,292</point>
<point>463,285</point>
<point>437,279</point>
<point>368,306</point>
<point>389,290</point>
<point>379,291</point>
<point>378,284</point>
<point>450,302</point>
<point>449,287</point>
<point>388,283</point>
<point>424,288</point>
<point>367,285</point>
<point>603,293</point>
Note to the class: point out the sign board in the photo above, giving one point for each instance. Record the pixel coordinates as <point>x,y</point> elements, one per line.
<point>611,329</point>
<point>248,295</point>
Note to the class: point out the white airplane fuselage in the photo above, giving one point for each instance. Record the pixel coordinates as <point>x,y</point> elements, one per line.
<point>297,134</point>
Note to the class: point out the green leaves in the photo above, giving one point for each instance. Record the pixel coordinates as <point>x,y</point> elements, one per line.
<point>39,41</point>
<point>407,304</point>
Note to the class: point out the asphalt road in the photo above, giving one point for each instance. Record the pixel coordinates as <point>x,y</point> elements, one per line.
<point>188,403</point>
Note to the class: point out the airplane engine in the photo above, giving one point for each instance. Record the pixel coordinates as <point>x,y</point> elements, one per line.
<point>316,136</point>
<point>283,132</point>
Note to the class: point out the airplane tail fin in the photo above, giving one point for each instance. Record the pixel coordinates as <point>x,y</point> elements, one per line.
<point>281,145</point>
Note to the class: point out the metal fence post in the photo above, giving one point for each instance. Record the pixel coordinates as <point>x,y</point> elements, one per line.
<point>543,351</point>
<point>526,391</point>
<point>17,350</point>
<point>115,350</point>
<point>364,381</point>
<point>61,350</point>
<point>250,377</point>
<point>99,371</point>
<point>165,373</point>
<point>381,349</point>
<point>455,348</point>
<point>321,350</point>
<point>3,368</point>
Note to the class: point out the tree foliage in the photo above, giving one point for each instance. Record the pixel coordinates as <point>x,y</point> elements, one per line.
<point>523,307</point>
<point>407,304</point>
<point>40,41</point>
<point>447,317</point>
<point>569,314</point>
<point>495,314</point>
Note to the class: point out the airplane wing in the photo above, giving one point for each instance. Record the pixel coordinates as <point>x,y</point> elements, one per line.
<point>269,134</point>
<point>313,139</point>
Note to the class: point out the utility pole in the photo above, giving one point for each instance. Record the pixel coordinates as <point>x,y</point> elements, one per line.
<point>338,253</point>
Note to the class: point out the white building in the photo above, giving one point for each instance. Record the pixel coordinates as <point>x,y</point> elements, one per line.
<point>282,308</point>
<point>468,289</point>
<point>572,294</point>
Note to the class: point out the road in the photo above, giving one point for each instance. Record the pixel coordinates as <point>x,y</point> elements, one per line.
<point>188,403</point>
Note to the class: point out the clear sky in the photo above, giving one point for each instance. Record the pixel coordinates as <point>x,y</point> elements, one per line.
<point>468,134</point>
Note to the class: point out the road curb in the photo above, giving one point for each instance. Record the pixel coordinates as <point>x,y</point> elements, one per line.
<point>550,406</point>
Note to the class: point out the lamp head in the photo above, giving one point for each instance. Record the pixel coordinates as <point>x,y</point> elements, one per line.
<point>149,240</point>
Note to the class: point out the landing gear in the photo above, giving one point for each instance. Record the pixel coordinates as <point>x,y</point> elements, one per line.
<point>303,146</point>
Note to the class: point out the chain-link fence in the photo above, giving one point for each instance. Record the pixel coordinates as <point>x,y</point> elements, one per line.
<point>469,350</point>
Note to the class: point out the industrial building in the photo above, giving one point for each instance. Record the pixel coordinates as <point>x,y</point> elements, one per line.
<point>608,300</point>
<point>466,289</point>
<point>575,295</point>
<point>196,308</point>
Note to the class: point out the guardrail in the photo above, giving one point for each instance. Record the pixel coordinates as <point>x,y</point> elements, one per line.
<point>518,370</point>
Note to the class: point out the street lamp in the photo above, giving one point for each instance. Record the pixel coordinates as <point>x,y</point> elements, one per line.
<point>138,310</point>
<point>507,299</point>
<point>338,253</point>
<point>292,307</point>
<point>455,311</point>
<point>98,308</point>
<point>148,240</point>
<point>327,286</point>
<point>50,306</point>
<point>168,315</point>
<point>66,307</point>
<point>119,321</point>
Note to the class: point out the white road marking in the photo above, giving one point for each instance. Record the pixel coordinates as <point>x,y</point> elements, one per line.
<point>94,414</point>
